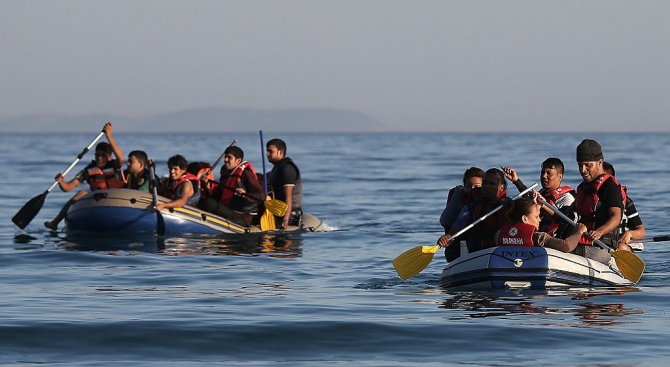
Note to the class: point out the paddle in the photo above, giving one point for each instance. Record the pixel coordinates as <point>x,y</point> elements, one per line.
<point>413,261</point>
<point>28,212</point>
<point>267,219</point>
<point>653,239</point>
<point>216,163</point>
<point>160,222</point>
<point>630,265</point>
<point>275,206</point>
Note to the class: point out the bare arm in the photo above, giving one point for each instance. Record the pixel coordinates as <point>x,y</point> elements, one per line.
<point>115,147</point>
<point>186,193</point>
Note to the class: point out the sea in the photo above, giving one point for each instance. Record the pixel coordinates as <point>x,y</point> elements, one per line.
<point>328,298</point>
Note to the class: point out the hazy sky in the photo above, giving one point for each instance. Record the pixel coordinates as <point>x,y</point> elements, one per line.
<point>414,65</point>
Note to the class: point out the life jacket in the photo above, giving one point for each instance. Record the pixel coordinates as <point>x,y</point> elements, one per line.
<point>277,187</point>
<point>174,192</point>
<point>234,181</point>
<point>487,228</point>
<point>142,183</point>
<point>108,177</point>
<point>588,202</point>
<point>516,234</point>
<point>548,224</point>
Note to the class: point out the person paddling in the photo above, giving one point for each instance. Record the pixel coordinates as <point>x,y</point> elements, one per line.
<point>104,172</point>
<point>490,195</point>
<point>523,222</point>
<point>599,202</point>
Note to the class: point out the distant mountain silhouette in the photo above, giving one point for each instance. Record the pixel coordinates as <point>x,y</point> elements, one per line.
<point>206,120</point>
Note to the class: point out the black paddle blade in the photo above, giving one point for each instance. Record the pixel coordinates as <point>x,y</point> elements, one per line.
<point>29,211</point>
<point>160,224</point>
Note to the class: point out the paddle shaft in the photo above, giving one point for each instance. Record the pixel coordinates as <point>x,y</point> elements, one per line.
<point>483,217</point>
<point>79,157</point>
<point>652,239</point>
<point>572,222</point>
<point>160,222</point>
<point>216,163</point>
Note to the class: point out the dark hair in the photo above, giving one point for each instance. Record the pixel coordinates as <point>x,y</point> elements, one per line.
<point>195,167</point>
<point>178,161</point>
<point>235,151</point>
<point>554,163</point>
<point>472,172</point>
<point>499,174</point>
<point>277,143</point>
<point>609,168</point>
<point>140,155</point>
<point>104,147</point>
<point>516,209</point>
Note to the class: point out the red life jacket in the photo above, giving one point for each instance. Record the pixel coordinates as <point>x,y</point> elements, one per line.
<point>551,197</point>
<point>233,182</point>
<point>173,185</point>
<point>588,202</point>
<point>479,207</point>
<point>516,234</point>
<point>108,177</point>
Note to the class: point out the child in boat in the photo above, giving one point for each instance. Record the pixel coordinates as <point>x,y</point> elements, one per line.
<point>521,228</point>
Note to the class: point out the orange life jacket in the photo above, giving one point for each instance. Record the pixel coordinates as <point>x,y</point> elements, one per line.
<point>108,177</point>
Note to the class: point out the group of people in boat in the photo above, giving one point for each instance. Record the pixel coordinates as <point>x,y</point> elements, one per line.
<point>237,196</point>
<point>600,209</point>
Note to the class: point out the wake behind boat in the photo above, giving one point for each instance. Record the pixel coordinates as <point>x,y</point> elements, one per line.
<point>528,267</point>
<point>129,211</point>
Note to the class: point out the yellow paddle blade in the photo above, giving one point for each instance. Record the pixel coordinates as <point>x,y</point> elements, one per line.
<point>630,265</point>
<point>276,207</point>
<point>267,221</point>
<point>413,261</point>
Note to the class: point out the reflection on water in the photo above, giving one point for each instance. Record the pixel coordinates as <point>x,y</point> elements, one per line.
<point>275,245</point>
<point>510,303</point>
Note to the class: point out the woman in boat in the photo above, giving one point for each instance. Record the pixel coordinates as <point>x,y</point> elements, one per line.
<point>484,199</point>
<point>523,222</point>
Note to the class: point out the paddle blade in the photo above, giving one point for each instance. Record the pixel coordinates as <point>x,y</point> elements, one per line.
<point>630,265</point>
<point>413,261</point>
<point>267,221</point>
<point>276,207</point>
<point>160,224</point>
<point>29,211</point>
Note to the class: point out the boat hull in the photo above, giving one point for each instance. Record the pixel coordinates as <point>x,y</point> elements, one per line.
<point>130,211</point>
<point>528,267</point>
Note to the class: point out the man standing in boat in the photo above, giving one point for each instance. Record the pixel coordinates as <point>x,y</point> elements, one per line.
<point>599,202</point>
<point>285,182</point>
<point>554,192</point>
<point>104,172</point>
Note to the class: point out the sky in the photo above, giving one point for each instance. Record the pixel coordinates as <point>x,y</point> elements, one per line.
<point>462,66</point>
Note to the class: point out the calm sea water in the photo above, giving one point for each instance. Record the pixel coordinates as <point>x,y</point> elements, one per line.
<point>330,298</point>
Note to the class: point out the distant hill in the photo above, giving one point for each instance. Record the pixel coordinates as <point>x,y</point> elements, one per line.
<point>206,120</point>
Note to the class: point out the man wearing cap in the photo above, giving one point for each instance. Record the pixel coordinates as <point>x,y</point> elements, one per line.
<point>599,202</point>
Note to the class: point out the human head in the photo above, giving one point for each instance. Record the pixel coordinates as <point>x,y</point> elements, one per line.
<point>590,159</point>
<point>609,168</point>
<point>137,161</point>
<point>493,183</point>
<point>276,150</point>
<point>177,165</point>
<point>103,153</point>
<point>523,210</point>
<point>551,174</point>
<point>472,178</point>
<point>232,158</point>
